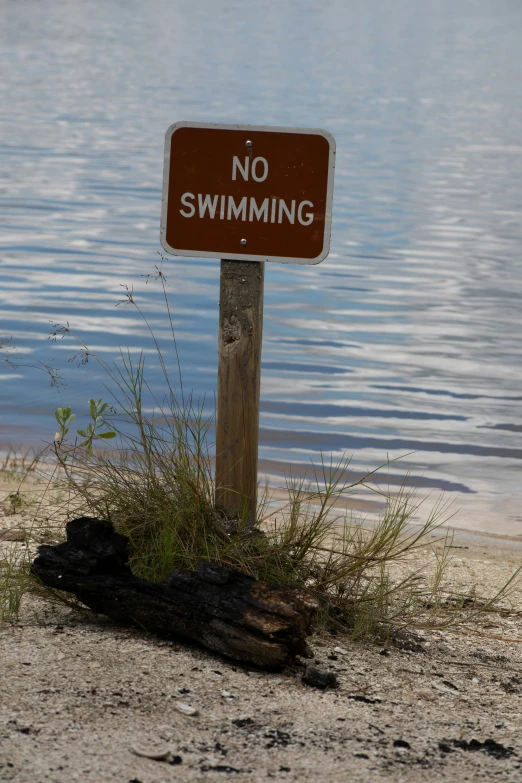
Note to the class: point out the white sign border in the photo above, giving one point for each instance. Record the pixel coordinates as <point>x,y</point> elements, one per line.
<point>245,256</point>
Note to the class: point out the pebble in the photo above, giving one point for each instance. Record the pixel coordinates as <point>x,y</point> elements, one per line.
<point>185,709</point>
<point>158,753</point>
<point>444,688</point>
<point>13,534</point>
<point>340,651</point>
<point>319,678</point>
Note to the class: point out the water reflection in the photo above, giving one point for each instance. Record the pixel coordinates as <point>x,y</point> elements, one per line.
<point>406,338</point>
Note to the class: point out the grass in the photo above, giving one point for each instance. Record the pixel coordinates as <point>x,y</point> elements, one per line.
<point>15,557</point>
<point>156,486</point>
<point>14,582</point>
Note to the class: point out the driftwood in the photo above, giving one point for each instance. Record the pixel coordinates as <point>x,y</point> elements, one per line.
<point>220,608</point>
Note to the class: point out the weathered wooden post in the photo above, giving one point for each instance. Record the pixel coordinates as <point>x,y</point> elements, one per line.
<point>239,371</point>
<point>246,194</point>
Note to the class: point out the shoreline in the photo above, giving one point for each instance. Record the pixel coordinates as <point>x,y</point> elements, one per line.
<point>500,545</point>
<point>476,513</point>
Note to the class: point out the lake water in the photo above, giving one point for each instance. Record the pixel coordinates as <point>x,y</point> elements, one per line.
<point>406,339</point>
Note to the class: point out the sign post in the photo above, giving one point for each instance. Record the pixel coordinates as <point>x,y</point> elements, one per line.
<point>246,194</point>
<point>239,376</point>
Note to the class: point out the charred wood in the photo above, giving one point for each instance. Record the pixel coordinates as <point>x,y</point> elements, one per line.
<point>220,608</point>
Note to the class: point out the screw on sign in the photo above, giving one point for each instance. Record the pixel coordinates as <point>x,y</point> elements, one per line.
<point>246,194</point>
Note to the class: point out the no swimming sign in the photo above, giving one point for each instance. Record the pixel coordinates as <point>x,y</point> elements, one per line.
<point>247,192</point>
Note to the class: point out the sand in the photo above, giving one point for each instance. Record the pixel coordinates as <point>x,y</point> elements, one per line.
<point>81,695</point>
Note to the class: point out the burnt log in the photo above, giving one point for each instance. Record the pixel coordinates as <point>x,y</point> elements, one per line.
<point>220,608</point>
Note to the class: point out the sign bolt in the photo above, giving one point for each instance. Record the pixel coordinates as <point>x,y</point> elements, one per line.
<point>243,242</point>
<point>249,143</point>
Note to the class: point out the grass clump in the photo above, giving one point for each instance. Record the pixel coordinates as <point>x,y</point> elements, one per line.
<point>14,581</point>
<point>163,502</point>
<point>368,579</point>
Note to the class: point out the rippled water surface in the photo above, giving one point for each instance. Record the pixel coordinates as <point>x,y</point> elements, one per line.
<point>406,339</point>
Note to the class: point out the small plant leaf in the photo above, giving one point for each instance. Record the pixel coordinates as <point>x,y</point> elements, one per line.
<point>107,435</point>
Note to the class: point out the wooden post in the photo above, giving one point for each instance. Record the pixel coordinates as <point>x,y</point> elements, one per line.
<point>239,371</point>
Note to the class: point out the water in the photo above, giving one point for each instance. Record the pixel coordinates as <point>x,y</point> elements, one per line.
<point>406,339</point>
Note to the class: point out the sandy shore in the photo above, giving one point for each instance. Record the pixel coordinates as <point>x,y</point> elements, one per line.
<point>81,694</point>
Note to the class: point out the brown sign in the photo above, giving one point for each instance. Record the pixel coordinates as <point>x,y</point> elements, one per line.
<point>247,192</point>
